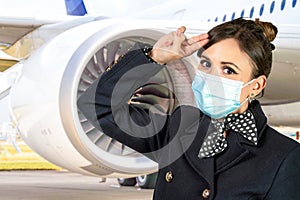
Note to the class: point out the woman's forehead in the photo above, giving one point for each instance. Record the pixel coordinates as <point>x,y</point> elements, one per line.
<point>227,50</point>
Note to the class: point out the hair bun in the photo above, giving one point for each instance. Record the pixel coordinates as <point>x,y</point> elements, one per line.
<point>270,31</point>
<point>272,46</point>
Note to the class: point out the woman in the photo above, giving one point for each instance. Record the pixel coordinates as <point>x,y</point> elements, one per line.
<point>221,149</point>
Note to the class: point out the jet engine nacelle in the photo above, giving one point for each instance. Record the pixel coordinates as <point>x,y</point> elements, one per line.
<point>43,100</point>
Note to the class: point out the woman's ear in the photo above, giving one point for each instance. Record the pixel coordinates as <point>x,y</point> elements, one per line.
<point>259,85</point>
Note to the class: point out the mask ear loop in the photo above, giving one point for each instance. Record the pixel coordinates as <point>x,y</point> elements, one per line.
<point>252,95</point>
<point>249,83</point>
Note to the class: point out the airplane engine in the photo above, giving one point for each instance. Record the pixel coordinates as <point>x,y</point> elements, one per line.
<point>43,100</point>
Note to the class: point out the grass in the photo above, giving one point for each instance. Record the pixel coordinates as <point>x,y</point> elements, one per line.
<point>10,159</point>
<point>8,166</point>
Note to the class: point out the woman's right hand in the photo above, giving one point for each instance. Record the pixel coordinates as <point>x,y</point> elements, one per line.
<point>175,45</point>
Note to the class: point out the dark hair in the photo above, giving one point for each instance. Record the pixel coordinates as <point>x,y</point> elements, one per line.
<point>254,38</point>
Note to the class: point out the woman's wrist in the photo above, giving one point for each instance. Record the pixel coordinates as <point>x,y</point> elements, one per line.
<point>153,54</point>
<point>148,51</point>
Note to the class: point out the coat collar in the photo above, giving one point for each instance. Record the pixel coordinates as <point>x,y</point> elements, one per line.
<point>237,151</point>
<point>260,120</point>
<point>193,137</point>
<point>206,167</point>
<point>234,153</point>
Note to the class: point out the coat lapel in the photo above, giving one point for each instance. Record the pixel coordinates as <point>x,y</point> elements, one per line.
<point>194,135</point>
<point>191,142</point>
<point>207,168</point>
<point>233,154</point>
<point>237,150</point>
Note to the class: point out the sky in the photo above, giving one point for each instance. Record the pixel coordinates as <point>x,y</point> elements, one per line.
<point>32,7</point>
<point>51,8</point>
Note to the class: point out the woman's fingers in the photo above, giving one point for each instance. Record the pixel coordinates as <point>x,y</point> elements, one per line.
<point>174,45</point>
<point>179,38</point>
<point>181,29</point>
<point>185,47</point>
<point>196,42</point>
<point>198,39</point>
<point>198,45</point>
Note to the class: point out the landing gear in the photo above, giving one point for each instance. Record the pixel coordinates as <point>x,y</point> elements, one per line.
<point>145,181</point>
<point>127,181</point>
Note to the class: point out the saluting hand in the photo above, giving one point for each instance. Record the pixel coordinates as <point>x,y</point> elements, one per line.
<point>175,45</point>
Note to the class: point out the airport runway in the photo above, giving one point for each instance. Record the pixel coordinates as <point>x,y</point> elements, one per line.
<point>63,185</point>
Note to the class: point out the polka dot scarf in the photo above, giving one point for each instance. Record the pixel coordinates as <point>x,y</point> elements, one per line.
<point>215,142</point>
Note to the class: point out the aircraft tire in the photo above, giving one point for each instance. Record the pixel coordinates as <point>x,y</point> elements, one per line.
<point>127,181</point>
<point>147,181</point>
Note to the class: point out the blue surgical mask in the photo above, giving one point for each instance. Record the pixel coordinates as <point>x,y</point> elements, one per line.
<point>217,96</point>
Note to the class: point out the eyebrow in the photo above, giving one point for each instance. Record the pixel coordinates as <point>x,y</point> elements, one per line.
<point>230,63</point>
<point>223,62</point>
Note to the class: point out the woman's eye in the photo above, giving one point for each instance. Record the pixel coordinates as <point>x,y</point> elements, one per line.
<point>229,70</point>
<point>205,63</point>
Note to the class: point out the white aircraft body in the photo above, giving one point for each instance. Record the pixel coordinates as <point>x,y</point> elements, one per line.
<point>50,63</point>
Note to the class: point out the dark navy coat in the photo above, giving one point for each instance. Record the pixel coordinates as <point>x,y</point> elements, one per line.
<point>270,170</point>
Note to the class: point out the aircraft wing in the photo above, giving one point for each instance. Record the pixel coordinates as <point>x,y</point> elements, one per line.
<point>11,30</point>
<point>9,34</point>
<point>14,28</point>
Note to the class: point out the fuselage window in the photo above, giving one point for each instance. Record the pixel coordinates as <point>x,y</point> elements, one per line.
<point>233,16</point>
<point>261,11</point>
<point>242,13</point>
<point>272,7</point>
<point>251,12</point>
<point>282,4</point>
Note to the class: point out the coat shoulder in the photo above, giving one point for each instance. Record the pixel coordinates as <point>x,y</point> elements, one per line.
<point>279,140</point>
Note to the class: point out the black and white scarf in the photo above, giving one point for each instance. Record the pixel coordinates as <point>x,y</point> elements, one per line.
<point>215,141</point>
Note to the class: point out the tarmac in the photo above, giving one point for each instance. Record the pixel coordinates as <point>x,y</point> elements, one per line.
<point>64,185</point>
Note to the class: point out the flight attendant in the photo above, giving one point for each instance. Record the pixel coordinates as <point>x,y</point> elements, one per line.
<point>222,148</point>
